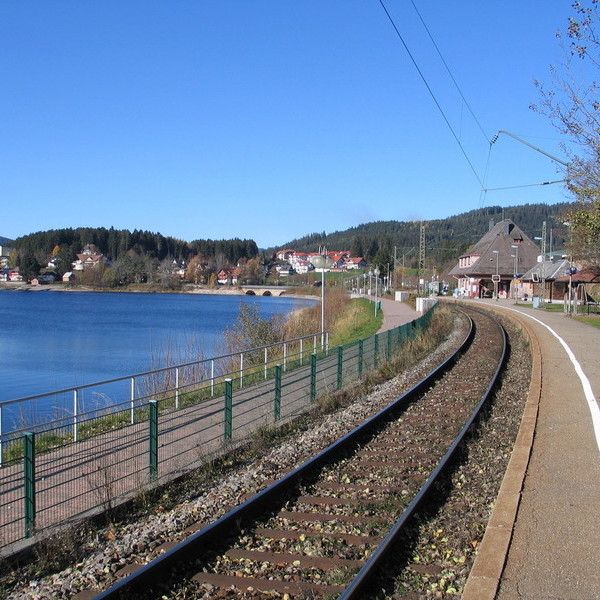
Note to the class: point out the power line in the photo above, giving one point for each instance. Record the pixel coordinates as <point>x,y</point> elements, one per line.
<point>430,91</point>
<point>487,139</point>
<point>512,187</point>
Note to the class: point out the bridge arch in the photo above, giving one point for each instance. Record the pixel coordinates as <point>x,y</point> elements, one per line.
<point>264,290</point>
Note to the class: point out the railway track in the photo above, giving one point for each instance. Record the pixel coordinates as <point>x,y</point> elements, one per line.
<point>325,528</point>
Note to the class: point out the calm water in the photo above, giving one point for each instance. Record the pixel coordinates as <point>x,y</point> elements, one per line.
<point>52,340</point>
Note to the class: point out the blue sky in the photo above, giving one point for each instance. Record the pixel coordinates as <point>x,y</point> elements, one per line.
<point>268,119</point>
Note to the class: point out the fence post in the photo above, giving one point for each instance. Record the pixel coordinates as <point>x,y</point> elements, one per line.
<point>277,403</point>
<point>228,416</point>
<point>361,357</point>
<point>132,402</point>
<point>153,435</point>
<point>212,377</point>
<point>176,387</point>
<point>266,369</point>
<point>376,351</point>
<point>313,377</point>
<point>301,351</point>
<point>285,356</point>
<point>75,413</point>
<point>340,363</point>
<point>241,370</point>
<point>29,482</point>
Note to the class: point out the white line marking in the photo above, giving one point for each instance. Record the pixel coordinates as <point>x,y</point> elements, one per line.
<point>585,382</point>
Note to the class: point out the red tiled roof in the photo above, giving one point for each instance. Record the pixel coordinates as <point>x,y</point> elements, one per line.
<point>583,276</point>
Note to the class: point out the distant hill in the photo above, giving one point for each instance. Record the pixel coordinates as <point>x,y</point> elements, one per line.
<point>445,239</point>
<point>4,241</point>
<point>115,243</point>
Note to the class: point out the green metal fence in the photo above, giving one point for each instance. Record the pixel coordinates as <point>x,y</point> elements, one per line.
<point>42,487</point>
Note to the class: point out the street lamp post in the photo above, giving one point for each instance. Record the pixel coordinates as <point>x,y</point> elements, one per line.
<point>376,273</point>
<point>572,270</point>
<point>497,253</point>
<point>516,271</point>
<point>322,261</point>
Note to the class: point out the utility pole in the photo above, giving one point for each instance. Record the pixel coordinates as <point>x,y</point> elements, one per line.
<point>393,283</point>
<point>421,255</point>
<point>543,294</point>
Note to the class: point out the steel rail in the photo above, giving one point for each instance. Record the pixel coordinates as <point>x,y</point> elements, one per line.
<point>160,568</point>
<point>367,573</point>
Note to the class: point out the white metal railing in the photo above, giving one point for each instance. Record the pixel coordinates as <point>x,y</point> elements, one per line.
<point>133,391</point>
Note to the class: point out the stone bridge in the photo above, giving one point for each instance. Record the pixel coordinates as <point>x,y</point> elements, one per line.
<point>264,290</point>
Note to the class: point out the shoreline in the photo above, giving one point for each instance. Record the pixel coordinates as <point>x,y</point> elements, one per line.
<point>186,289</point>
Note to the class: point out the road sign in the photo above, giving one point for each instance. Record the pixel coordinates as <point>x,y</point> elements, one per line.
<point>495,278</point>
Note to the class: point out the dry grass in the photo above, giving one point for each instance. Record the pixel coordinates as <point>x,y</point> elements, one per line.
<point>308,320</point>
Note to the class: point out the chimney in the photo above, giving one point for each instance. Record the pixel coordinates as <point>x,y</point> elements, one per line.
<point>491,225</point>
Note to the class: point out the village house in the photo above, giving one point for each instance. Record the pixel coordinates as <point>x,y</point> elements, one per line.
<point>296,258</point>
<point>356,263</point>
<point>44,279</point>
<point>494,261</point>
<point>339,260</point>
<point>284,254</point>
<point>585,285</point>
<point>300,262</point>
<point>543,280</point>
<point>303,266</point>
<point>4,256</point>
<point>10,275</point>
<point>228,276</point>
<point>285,269</point>
<point>90,258</point>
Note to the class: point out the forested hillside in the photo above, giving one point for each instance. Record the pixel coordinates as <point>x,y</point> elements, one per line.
<point>445,239</point>
<point>113,243</point>
<point>136,256</point>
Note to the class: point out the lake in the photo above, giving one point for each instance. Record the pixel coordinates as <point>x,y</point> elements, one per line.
<point>56,340</point>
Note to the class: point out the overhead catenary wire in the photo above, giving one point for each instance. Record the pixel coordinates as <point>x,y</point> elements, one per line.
<point>487,139</point>
<point>513,187</point>
<point>433,96</point>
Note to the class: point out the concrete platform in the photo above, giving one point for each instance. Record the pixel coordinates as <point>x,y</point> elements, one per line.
<point>543,538</point>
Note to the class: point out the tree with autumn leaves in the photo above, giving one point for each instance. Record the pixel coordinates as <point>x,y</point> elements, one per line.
<point>572,103</point>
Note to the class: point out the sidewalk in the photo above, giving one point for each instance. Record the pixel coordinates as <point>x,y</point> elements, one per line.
<point>545,529</point>
<point>394,313</point>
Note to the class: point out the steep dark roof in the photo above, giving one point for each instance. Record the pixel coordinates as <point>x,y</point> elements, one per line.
<point>499,239</point>
<point>548,270</point>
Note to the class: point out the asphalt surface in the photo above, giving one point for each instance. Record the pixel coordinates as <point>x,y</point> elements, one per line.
<point>396,314</point>
<point>543,538</point>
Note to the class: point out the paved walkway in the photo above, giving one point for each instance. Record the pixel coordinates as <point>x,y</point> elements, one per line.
<point>543,538</point>
<point>394,313</point>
